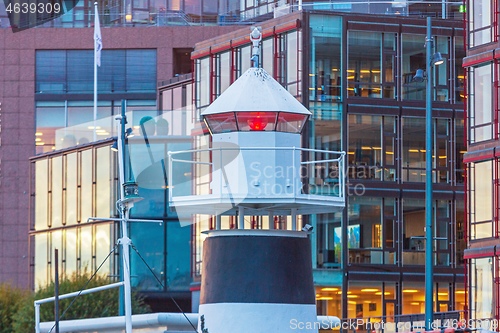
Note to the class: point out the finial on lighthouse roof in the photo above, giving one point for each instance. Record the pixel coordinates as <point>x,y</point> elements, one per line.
<point>256,37</point>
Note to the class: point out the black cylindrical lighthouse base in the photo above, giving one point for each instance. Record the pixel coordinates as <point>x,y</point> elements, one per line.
<point>257,281</point>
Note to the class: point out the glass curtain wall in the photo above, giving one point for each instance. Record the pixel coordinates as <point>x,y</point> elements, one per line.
<point>325,84</point>
<point>65,124</point>
<point>281,57</point>
<point>481,292</point>
<point>413,58</point>
<point>123,72</point>
<point>414,149</point>
<point>480,19</point>
<point>480,200</point>
<point>371,66</point>
<point>84,183</point>
<point>480,103</point>
<point>325,132</point>
<point>372,147</point>
<point>74,189</point>
<point>371,230</point>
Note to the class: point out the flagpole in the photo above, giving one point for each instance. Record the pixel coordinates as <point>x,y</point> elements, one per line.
<point>96,19</point>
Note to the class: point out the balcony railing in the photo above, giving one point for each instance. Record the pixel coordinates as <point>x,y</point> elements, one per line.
<point>258,177</point>
<point>402,323</point>
<point>263,11</point>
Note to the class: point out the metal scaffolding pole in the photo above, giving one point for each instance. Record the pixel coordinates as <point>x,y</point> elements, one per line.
<point>428,184</point>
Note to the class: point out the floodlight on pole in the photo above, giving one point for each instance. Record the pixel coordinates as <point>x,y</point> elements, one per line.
<point>129,133</point>
<point>419,76</point>
<point>437,59</point>
<point>114,147</point>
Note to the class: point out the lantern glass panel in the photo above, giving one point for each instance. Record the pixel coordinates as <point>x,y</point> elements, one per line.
<point>221,123</point>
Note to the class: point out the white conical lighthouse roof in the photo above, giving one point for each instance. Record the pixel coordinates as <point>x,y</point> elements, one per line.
<point>256,90</point>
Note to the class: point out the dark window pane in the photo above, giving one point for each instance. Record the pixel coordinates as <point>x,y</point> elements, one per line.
<point>325,84</point>
<point>81,71</point>
<point>413,149</point>
<point>178,256</point>
<point>111,74</point>
<point>364,52</point>
<point>480,103</point>
<point>141,70</point>
<point>413,59</point>
<point>73,71</point>
<point>50,71</point>
<point>150,242</point>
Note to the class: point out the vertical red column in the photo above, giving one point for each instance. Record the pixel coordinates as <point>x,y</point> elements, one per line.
<point>495,20</point>
<point>213,67</point>
<point>277,55</point>
<point>496,197</point>
<point>193,248</point>
<point>495,287</point>
<point>465,25</point>
<point>495,99</point>
<point>299,60</point>
<point>212,223</point>
<point>232,75</point>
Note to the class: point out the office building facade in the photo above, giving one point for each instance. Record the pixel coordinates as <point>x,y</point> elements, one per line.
<point>46,87</point>
<point>46,112</point>
<point>482,161</point>
<point>354,73</point>
<point>134,13</point>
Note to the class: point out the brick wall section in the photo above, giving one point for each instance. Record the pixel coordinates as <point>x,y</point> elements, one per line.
<point>17,116</point>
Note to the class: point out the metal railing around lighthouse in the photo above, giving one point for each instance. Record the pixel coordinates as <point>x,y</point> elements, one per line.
<point>320,173</point>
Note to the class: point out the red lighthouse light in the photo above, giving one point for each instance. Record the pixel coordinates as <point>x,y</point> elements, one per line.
<point>258,122</point>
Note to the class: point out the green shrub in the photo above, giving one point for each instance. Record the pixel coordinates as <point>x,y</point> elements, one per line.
<point>99,304</point>
<point>11,299</point>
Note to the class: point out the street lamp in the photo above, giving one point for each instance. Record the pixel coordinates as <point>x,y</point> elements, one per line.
<point>437,59</point>
<point>431,60</point>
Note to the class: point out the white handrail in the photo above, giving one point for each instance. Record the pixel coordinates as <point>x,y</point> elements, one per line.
<point>340,160</point>
<point>173,321</point>
<point>256,148</point>
<point>76,293</point>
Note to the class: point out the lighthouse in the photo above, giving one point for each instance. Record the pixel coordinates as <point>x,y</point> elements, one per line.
<point>260,280</point>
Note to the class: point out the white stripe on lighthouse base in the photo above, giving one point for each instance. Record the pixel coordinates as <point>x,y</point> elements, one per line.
<point>259,318</point>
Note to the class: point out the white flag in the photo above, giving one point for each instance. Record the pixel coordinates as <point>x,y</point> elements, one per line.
<point>97,38</point>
